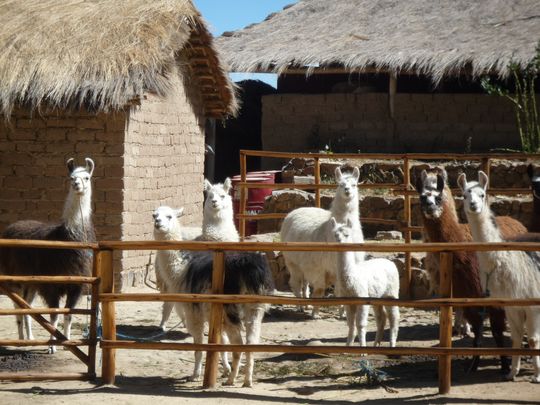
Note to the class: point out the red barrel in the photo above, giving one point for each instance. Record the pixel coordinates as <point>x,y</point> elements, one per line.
<point>255,196</point>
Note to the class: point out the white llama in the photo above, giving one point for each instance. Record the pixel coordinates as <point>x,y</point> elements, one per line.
<point>75,226</point>
<point>309,225</point>
<point>218,217</point>
<point>375,278</point>
<point>169,264</point>
<point>505,274</point>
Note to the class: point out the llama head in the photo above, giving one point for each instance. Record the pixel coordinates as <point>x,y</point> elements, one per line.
<point>347,184</point>
<point>217,196</point>
<point>534,174</point>
<point>337,232</point>
<point>430,187</point>
<point>166,219</point>
<point>80,175</point>
<point>474,193</point>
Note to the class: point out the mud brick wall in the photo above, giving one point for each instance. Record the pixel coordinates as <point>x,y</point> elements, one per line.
<point>352,122</point>
<point>33,174</point>
<point>164,164</point>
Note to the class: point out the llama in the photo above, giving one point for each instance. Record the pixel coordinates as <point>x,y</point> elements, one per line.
<point>534,175</point>
<point>168,262</point>
<point>375,278</point>
<point>441,224</point>
<point>245,273</point>
<point>218,217</point>
<point>308,224</point>
<point>504,274</point>
<point>75,226</point>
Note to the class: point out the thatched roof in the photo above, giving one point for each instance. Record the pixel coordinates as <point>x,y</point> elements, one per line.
<point>436,38</point>
<point>105,54</point>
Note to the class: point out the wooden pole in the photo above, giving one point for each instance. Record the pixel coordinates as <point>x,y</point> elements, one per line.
<point>216,321</point>
<point>408,233</point>
<point>486,167</point>
<point>243,196</point>
<point>445,323</point>
<point>317,182</point>
<point>105,270</point>
<point>94,305</point>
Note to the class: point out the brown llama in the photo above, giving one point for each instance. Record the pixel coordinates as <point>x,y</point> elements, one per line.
<point>75,226</point>
<point>534,175</point>
<point>441,225</point>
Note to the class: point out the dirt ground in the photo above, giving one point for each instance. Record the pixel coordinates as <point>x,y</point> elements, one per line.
<point>152,377</point>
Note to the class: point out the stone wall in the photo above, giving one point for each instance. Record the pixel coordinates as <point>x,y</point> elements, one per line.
<point>351,122</point>
<point>33,174</point>
<point>164,164</point>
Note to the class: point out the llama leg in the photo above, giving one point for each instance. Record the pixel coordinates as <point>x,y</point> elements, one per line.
<point>296,283</point>
<point>233,331</point>
<point>380,320</point>
<point>28,295</point>
<point>517,323</point>
<point>533,332</point>
<point>225,356</point>
<point>165,314</point>
<point>477,324</point>
<point>71,302</point>
<point>497,323</point>
<point>253,332</point>
<point>318,292</point>
<point>393,316</point>
<point>195,326</point>
<point>350,313</point>
<point>361,324</point>
<point>53,302</point>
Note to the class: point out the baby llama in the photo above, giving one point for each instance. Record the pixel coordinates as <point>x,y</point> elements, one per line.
<point>309,225</point>
<point>441,224</point>
<point>505,274</point>
<point>375,278</point>
<point>75,226</point>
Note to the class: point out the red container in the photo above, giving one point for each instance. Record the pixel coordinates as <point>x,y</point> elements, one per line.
<point>255,196</point>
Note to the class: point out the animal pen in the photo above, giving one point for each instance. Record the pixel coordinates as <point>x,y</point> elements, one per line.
<point>103,275</point>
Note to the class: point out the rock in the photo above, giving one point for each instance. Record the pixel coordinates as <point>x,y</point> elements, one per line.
<point>389,235</point>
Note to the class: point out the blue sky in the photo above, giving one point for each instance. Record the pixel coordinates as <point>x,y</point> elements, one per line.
<point>230,15</point>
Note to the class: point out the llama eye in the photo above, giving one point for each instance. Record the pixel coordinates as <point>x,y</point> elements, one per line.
<point>438,199</point>
<point>169,217</point>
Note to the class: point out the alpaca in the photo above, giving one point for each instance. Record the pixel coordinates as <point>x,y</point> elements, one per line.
<point>308,225</point>
<point>534,175</point>
<point>375,278</point>
<point>504,274</point>
<point>245,273</point>
<point>75,226</point>
<point>441,224</point>
<point>218,217</point>
<point>169,263</point>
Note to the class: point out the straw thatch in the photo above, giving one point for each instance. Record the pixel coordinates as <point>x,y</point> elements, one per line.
<point>104,54</point>
<point>429,37</point>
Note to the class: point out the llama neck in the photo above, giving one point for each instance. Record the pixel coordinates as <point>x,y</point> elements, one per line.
<point>220,218</point>
<point>483,226</point>
<point>343,209</point>
<point>78,210</point>
<point>346,269</point>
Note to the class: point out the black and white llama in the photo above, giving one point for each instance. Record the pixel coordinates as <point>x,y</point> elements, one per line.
<point>75,226</point>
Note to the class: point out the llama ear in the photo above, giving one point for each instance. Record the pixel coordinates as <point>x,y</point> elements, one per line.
<point>483,179</point>
<point>440,182</point>
<point>338,174</point>
<point>349,223</point>
<point>207,185</point>
<point>90,166</point>
<point>443,174</point>
<point>356,173</point>
<point>419,183</point>
<point>227,185</point>
<point>333,222</point>
<point>179,212</point>
<point>530,170</point>
<point>70,165</point>
<point>462,181</point>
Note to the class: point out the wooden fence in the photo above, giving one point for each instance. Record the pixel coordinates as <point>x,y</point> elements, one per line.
<point>24,308</point>
<point>404,188</point>
<point>445,351</point>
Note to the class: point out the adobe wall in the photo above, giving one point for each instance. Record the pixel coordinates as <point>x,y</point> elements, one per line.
<point>423,123</point>
<point>164,165</point>
<point>33,174</point>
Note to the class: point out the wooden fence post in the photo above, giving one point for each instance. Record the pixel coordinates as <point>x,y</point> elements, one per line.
<point>216,321</point>
<point>94,304</point>
<point>407,218</point>
<point>445,322</point>
<point>104,259</point>
<point>317,182</point>
<point>243,196</point>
